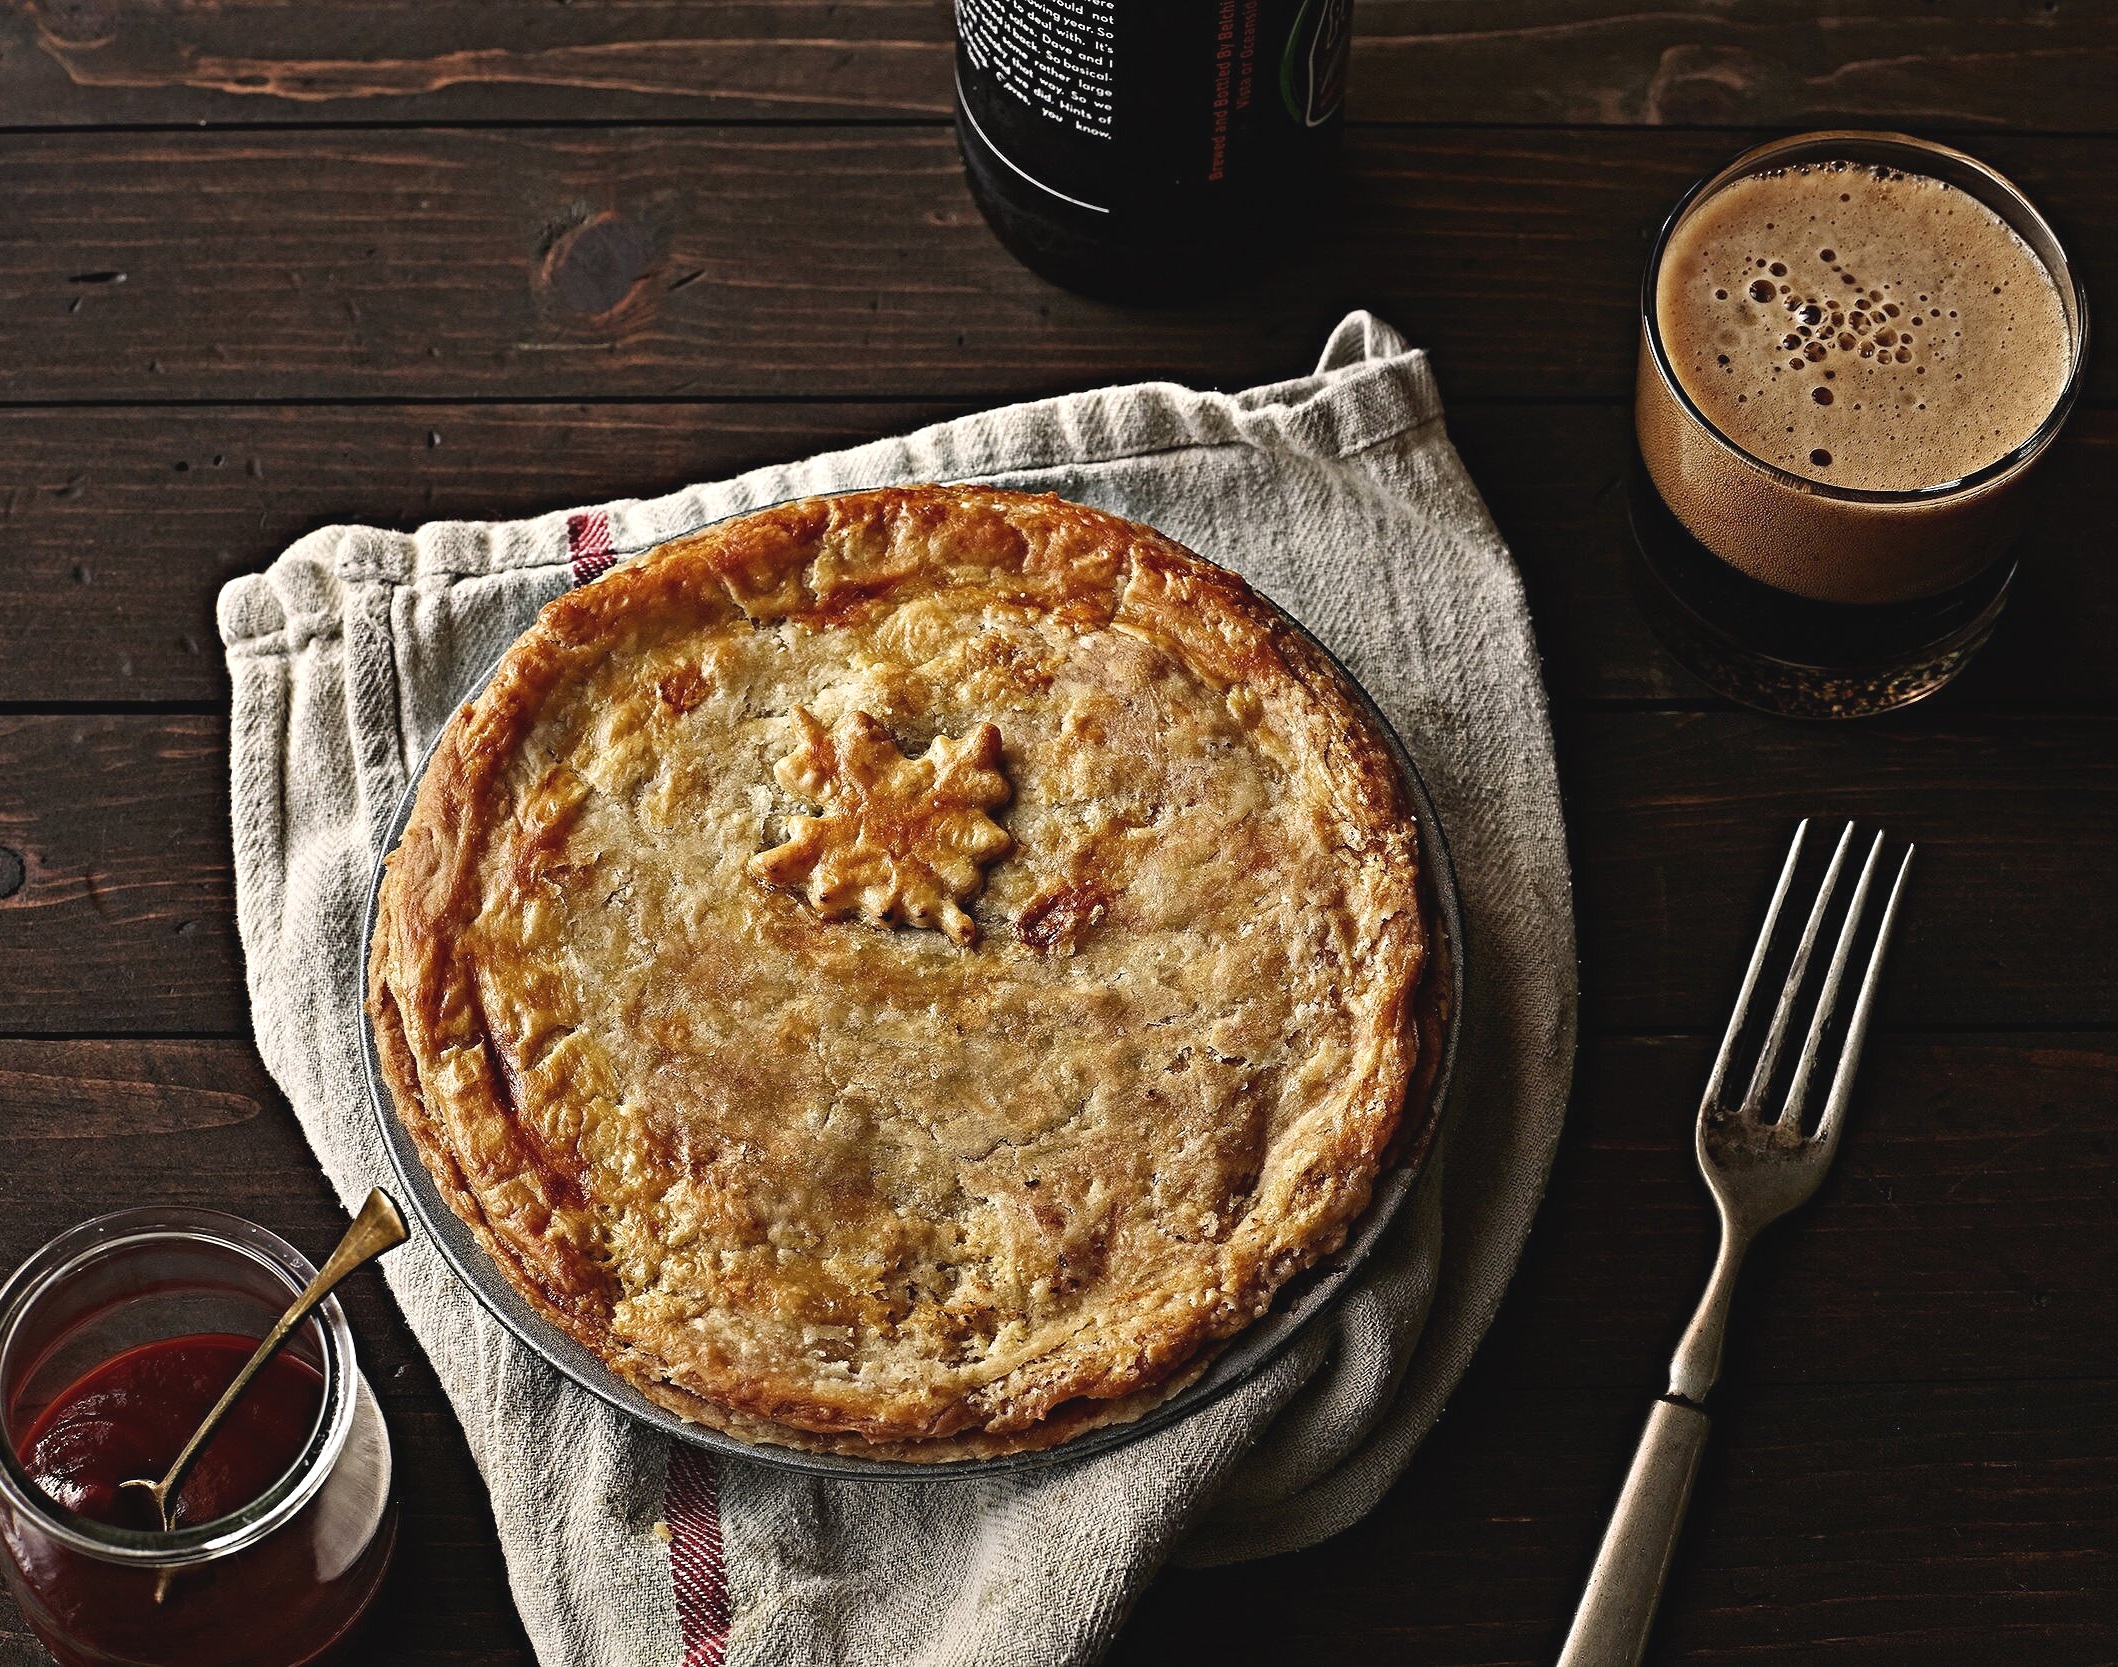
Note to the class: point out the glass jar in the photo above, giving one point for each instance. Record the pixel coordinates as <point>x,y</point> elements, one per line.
<point>285,1579</point>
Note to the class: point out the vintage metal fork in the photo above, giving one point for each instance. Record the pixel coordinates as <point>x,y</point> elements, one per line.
<point>1758,1165</point>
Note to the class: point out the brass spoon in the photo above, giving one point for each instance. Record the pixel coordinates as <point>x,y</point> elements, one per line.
<point>378,1227</point>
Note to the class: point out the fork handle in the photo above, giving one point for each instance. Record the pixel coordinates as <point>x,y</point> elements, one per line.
<point>1618,1608</point>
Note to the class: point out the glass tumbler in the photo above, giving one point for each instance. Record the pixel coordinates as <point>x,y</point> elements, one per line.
<point>1803,597</point>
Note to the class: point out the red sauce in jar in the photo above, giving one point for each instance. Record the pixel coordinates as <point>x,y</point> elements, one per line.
<point>132,1415</point>
<point>292,1598</point>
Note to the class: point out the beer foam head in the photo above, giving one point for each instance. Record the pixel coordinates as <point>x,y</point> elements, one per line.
<point>1861,326</point>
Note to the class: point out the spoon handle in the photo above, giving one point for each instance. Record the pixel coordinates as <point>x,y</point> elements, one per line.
<point>377,1228</point>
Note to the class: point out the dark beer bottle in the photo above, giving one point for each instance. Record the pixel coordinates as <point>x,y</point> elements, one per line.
<point>1136,148</point>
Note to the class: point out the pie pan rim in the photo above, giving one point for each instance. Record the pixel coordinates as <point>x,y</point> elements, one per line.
<point>1306,1299</point>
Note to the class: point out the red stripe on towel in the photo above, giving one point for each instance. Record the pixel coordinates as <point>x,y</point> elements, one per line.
<point>588,545</point>
<point>691,1507</point>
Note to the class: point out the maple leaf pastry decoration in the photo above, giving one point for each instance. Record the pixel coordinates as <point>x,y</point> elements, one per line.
<point>898,840</point>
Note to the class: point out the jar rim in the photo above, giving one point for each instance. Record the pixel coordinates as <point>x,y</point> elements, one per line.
<point>105,1235</point>
<point>1906,150</point>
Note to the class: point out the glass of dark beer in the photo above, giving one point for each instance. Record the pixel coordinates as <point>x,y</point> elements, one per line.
<point>1854,349</point>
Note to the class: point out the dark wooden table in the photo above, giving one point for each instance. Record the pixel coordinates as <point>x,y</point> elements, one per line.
<point>272,265</point>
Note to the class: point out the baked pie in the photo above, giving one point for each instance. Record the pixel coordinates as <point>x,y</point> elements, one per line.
<point>909,972</point>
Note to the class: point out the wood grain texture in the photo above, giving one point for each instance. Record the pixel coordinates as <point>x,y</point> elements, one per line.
<point>818,262</point>
<point>1866,1525</point>
<point>1963,1234</point>
<point>1959,63</point>
<point>74,61</point>
<point>1916,63</point>
<point>124,920</point>
<point>1678,823</point>
<point>125,915</point>
<point>120,526</point>
<point>320,310</point>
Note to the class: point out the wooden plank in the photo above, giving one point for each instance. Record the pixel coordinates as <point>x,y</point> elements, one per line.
<point>1854,1526</point>
<point>122,525</point>
<point>840,262</point>
<point>1900,63</point>
<point>1962,1235</point>
<point>123,920</point>
<point>1858,1525</point>
<point>120,905</point>
<point>1963,63</point>
<point>96,1125</point>
<point>63,62</point>
<point>1679,822</point>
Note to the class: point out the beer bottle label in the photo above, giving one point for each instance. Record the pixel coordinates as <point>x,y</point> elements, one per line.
<point>1155,109</point>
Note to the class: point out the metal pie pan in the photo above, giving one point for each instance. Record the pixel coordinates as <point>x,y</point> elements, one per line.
<point>1298,1304</point>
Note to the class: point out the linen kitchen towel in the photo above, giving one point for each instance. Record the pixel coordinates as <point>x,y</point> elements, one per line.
<point>1338,496</point>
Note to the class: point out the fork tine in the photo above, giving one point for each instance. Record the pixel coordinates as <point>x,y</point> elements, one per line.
<point>1827,1000</point>
<point>1757,965</point>
<point>1827,1128</point>
<point>1776,1036</point>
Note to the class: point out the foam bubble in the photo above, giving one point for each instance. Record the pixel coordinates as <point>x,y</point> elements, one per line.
<point>1739,323</point>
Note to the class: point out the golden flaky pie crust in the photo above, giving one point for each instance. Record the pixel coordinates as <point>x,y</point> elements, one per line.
<point>907,973</point>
